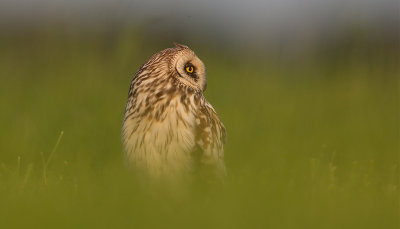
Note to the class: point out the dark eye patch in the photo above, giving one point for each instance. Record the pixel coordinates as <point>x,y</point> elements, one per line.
<point>190,69</point>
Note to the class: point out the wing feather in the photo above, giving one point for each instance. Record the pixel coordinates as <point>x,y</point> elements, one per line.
<point>210,136</point>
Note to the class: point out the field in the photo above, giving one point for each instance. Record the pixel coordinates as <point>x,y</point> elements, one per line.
<point>313,141</point>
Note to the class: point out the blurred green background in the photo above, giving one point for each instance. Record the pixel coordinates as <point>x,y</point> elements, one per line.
<point>312,116</point>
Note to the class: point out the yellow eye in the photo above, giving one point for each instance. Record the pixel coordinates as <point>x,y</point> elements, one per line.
<point>189,69</point>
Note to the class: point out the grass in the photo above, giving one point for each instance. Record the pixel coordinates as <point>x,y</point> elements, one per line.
<point>312,144</point>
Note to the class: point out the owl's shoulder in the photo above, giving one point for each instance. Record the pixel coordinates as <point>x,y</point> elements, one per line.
<point>211,132</point>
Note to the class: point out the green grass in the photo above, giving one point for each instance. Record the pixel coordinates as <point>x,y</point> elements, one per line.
<point>312,144</point>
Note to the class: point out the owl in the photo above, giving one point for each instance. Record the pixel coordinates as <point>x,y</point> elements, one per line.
<point>169,128</point>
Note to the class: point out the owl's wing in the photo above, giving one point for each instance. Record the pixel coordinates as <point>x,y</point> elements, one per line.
<point>210,136</point>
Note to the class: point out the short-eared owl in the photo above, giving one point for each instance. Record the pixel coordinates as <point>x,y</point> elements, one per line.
<point>169,127</point>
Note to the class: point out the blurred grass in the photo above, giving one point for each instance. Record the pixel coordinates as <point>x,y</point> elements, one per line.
<point>311,144</point>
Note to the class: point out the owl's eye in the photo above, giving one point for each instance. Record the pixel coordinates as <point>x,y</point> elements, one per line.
<point>189,68</point>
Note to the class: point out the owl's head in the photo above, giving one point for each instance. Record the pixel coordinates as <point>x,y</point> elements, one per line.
<point>188,68</point>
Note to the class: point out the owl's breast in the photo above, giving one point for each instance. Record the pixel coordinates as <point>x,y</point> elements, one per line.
<point>162,136</point>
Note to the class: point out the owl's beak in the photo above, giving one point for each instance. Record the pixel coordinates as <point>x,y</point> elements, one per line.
<point>205,85</point>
